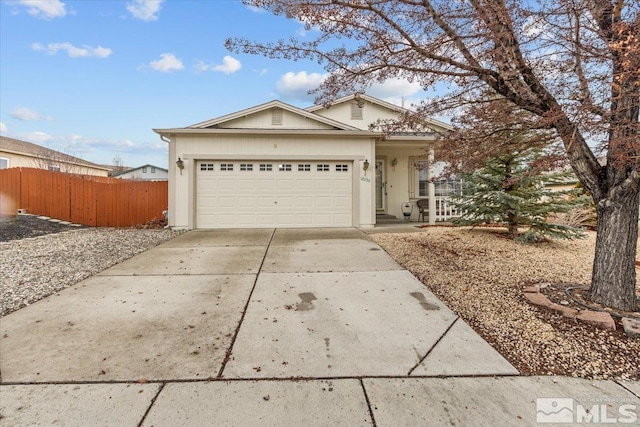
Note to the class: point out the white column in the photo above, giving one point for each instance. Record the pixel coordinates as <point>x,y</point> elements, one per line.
<point>431,188</point>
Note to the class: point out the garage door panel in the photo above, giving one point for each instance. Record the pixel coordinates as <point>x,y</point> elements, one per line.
<point>342,185</point>
<point>266,183</point>
<point>304,185</point>
<point>342,202</point>
<point>247,202</point>
<point>285,184</point>
<point>246,184</point>
<point>323,184</point>
<point>301,197</point>
<point>226,184</point>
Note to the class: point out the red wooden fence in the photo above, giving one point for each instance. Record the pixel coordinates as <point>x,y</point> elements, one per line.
<point>82,199</point>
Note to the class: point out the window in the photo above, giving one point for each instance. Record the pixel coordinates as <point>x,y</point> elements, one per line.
<point>322,168</point>
<point>304,167</point>
<point>144,170</point>
<point>246,167</point>
<point>4,163</point>
<point>265,167</point>
<point>342,168</point>
<point>206,166</point>
<point>153,170</point>
<point>284,167</point>
<point>54,168</point>
<point>276,116</point>
<point>448,186</point>
<point>356,110</point>
<point>226,167</point>
<point>442,186</point>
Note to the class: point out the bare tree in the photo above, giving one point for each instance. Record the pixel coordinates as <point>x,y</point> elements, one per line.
<point>56,161</point>
<point>575,64</point>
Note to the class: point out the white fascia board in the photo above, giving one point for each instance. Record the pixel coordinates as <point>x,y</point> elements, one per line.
<point>303,132</point>
<point>373,100</point>
<point>266,106</point>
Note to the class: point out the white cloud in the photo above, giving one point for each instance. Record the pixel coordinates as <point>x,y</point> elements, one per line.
<point>229,66</point>
<point>145,10</point>
<point>45,9</point>
<point>3,127</point>
<point>297,85</point>
<point>73,51</point>
<point>255,9</point>
<point>168,63</point>
<point>26,114</point>
<point>396,91</point>
<point>37,137</point>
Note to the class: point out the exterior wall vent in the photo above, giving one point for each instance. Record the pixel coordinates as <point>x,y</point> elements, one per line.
<point>356,111</point>
<point>276,117</point>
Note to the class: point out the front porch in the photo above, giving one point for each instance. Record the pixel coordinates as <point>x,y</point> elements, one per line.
<point>403,176</point>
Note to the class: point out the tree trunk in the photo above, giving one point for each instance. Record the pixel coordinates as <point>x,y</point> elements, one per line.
<point>512,225</point>
<point>614,272</point>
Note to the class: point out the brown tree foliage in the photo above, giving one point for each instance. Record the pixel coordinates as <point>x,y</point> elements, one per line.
<point>573,64</point>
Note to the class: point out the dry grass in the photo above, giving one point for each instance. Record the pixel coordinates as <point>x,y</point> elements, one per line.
<point>480,275</point>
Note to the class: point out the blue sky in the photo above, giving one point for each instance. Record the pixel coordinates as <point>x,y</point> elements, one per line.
<point>91,78</point>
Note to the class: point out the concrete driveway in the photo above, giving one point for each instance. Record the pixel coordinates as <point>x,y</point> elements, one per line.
<point>246,327</point>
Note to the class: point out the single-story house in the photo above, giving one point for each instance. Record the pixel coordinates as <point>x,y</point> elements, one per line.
<point>144,173</point>
<point>15,153</point>
<point>276,165</point>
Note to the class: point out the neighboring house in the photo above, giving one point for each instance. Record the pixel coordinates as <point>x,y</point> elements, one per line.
<point>145,173</point>
<point>15,153</point>
<point>276,165</point>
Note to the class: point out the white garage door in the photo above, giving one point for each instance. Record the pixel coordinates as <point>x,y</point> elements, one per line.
<point>251,194</point>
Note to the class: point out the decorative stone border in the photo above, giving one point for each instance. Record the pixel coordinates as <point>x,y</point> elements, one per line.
<point>600,319</point>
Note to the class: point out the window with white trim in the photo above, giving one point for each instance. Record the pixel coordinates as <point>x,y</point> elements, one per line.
<point>322,168</point>
<point>442,186</point>
<point>153,170</point>
<point>286,167</point>
<point>54,168</point>
<point>246,167</point>
<point>342,168</point>
<point>266,167</point>
<point>226,167</point>
<point>4,163</point>
<point>144,170</point>
<point>306,167</point>
<point>206,166</point>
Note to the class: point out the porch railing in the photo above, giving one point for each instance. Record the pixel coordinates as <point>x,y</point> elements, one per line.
<point>444,210</point>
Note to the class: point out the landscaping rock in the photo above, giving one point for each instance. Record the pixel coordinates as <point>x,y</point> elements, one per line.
<point>631,327</point>
<point>597,318</point>
<point>569,312</point>
<point>538,299</point>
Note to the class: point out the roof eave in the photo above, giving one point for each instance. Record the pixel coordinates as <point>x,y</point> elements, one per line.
<point>268,131</point>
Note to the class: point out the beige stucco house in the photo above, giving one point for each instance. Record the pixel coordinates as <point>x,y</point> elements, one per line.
<point>15,153</point>
<point>276,165</point>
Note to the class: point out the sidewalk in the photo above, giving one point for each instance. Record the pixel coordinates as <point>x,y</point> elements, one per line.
<point>267,327</point>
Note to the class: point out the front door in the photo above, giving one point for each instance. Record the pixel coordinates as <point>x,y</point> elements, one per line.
<point>381,187</point>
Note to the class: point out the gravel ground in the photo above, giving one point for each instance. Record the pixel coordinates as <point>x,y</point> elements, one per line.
<point>480,275</point>
<point>33,268</point>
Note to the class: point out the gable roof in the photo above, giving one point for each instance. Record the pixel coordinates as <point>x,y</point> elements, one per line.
<point>380,102</point>
<point>266,106</point>
<point>30,149</point>
<point>140,167</point>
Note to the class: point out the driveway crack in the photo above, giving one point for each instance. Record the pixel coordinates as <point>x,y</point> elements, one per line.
<point>227,356</point>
